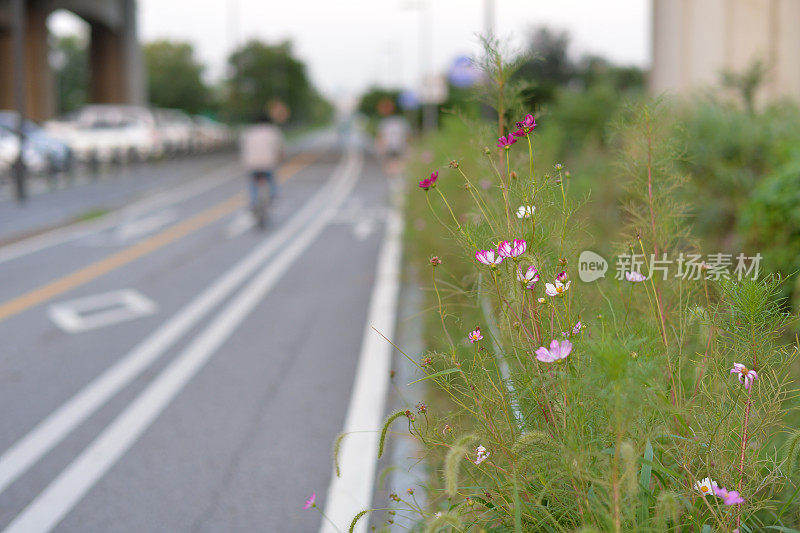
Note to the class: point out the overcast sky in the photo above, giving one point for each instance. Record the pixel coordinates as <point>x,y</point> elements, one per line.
<point>351,44</point>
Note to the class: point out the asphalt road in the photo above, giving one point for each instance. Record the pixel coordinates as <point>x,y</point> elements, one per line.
<point>170,368</point>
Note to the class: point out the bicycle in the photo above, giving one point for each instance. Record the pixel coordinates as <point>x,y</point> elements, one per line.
<point>263,198</point>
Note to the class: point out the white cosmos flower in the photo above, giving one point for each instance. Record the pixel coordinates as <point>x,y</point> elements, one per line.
<point>705,486</point>
<point>557,288</point>
<point>525,211</point>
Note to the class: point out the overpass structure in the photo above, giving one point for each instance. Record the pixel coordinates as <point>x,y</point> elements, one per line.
<point>694,41</point>
<point>115,62</point>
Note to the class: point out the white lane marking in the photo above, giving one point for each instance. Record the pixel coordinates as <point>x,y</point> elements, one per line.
<point>352,492</point>
<point>99,310</point>
<point>243,222</point>
<point>49,432</point>
<point>363,219</point>
<point>131,229</point>
<point>139,227</point>
<point>83,229</point>
<point>58,499</point>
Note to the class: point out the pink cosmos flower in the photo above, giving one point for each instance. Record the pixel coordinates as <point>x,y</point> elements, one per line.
<point>745,376</point>
<point>506,142</point>
<point>528,277</point>
<point>561,276</point>
<point>481,455</point>
<point>729,497</point>
<point>514,248</point>
<point>488,257</point>
<point>427,183</point>
<point>634,276</point>
<point>577,328</point>
<point>557,288</point>
<point>310,502</point>
<point>525,126</point>
<point>557,351</point>
<point>475,335</point>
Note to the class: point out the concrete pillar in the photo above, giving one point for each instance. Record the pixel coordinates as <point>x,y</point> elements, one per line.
<point>6,72</point>
<point>107,76</point>
<point>39,89</point>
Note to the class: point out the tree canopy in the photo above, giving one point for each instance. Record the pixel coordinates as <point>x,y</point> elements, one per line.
<point>262,73</point>
<point>175,77</point>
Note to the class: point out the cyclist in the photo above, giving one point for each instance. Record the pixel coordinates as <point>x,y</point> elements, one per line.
<point>262,148</point>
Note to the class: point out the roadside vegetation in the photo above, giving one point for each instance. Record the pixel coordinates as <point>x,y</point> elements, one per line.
<point>660,397</point>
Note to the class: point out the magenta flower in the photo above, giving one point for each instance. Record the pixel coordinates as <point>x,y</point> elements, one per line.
<point>475,335</point>
<point>488,257</point>
<point>729,497</point>
<point>506,142</point>
<point>514,248</point>
<point>578,327</point>
<point>557,351</point>
<point>561,277</point>
<point>528,277</point>
<point>634,277</point>
<point>745,376</point>
<point>310,502</point>
<point>427,183</point>
<point>525,126</point>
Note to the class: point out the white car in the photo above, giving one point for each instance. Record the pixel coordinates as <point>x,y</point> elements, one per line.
<point>110,133</point>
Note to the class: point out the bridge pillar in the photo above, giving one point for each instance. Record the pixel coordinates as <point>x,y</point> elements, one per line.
<point>39,91</point>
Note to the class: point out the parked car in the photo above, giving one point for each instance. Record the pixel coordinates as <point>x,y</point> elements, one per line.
<point>42,151</point>
<point>209,134</point>
<point>110,133</point>
<point>35,159</point>
<point>176,130</point>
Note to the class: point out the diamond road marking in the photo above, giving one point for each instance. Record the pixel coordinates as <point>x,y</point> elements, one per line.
<point>92,312</point>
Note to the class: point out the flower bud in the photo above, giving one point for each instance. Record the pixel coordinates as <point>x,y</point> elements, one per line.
<point>435,261</point>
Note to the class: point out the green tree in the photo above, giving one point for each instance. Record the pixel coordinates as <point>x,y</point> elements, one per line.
<point>174,77</point>
<point>262,73</point>
<point>71,72</point>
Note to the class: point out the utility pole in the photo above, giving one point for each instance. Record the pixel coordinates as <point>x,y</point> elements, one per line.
<point>488,18</point>
<point>18,37</point>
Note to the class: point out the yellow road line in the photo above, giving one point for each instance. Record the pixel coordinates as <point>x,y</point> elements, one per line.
<point>123,257</point>
<point>119,259</point>
<point>296,164</point>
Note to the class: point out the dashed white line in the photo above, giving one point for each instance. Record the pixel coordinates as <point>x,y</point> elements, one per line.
<point>56,501</point>
<point>49,432</point>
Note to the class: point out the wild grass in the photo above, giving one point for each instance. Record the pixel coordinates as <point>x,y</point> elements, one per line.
<point>616,435</point>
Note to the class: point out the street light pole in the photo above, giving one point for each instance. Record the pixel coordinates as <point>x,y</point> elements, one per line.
<point>18,37</point>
